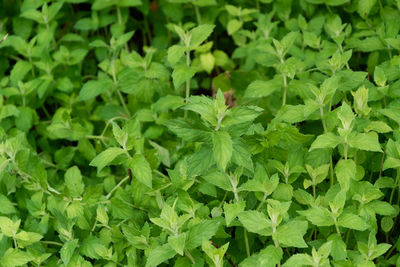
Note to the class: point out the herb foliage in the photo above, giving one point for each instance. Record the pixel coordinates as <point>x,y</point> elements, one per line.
<point>199,133</point>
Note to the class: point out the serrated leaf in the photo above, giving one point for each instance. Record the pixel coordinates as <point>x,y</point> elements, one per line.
<point>291,234</point>
<point>91,89</point>
<point>328,140</point>
<point>141,169</point>
<point>200,34</point>
<point>106,157</point>
<point>14,257</point>
<point>222,147</point>
<point>263,88</point>
<point>67,250</point>
<point>160,254</point>
<point>365,141</point>
<point>6,206</point>
<point>352,221</point>
<point>73,181</point>
<point>205,229</point>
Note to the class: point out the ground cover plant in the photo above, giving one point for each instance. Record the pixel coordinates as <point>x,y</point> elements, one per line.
<point>199,133</point>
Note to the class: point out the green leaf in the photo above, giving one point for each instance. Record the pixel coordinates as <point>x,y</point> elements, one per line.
<point>255,222</point>
<point>9,227</point>
<point>190,131</point>
<point>141,169</point>
<point>345,170</point>
<point>216,254</point>
<point>181,74</point>
<point>299,259</point>
<point>233,26</point>
<point>27,238</point>
<point>101,215</point>
<point>318,216</point>
<point>177,242</point>
<point>241,115</point>
<point>263,88</point>
<point>205,229</point>
<point>328,140</point>
<point>219,179</point>
<point>378,126</point>
<point>207,61</point>
<point>175,53</point>
<point>338,249</point>
<point>352,221</point>
<point>160,254</point>
<point>200,34</point>
<point>73,181</point>
<point>67,250</point>
<point>222,147</point>
<point>232,210</point>
<point>291,234</point>
<point>168,102</point>
<point>18,72</point>
<point>129,3</point>
<point>106,157</point>
<point>91,89</point>
<point>6,206</point>
<point>14,257</point>
<point>382,208</point>
<point>364,7</point>
<point>365,141</point>
<point>267,257</point>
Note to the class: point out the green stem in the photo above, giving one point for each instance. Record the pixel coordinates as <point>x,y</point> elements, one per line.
<point>116,187</point>
<point>187,253</point>
<point>284,90</point>
<point>314,191</point>
<point>395,186</point>
<point>198,16</point>
<point>116,89</point>
<point>331,170</point>
<point>147,28</point>
<point>321,112</point>
<point>246,242</point>
<point>390,252</point>
<point>119,15</point>
<point>345,151</point>
<point>337,227</point>
<point>262,202</point>
<point>348,236</point>
<point>52,243</point>
<point>187,94</point>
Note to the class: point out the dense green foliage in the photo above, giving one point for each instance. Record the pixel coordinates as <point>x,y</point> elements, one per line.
<point>199,133</point>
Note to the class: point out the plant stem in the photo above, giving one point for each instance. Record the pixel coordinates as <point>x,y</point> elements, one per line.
<point>116,89</point>
<point>198,16</point>
<point>331,170</point>
<point>187,253</point>
<point>262,202</point>
<point>116,187</point>
<point>147,28</point>
<point>348,236</point>
<point>119,15</point>
<point>52,243</point>
<point>314,191</point>
<point>246,242</point>
<point>284,90</point>
<point>337,227</point>
<point>395,186</point>
<point>321,112</point>
<point>187,93</point>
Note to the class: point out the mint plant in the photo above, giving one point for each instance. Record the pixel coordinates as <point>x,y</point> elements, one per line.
<point>199,133</point>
